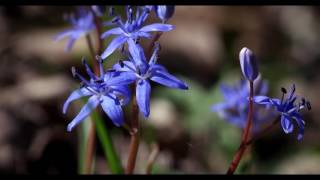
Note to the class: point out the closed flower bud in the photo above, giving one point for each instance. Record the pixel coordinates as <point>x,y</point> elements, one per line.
<point>164,12</point>
<point>248,63</point>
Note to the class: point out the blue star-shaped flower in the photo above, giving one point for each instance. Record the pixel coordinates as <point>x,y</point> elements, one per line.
<point>235,106</point>
<point>288,110</point>
<point>81,26</point>
<point>132,29</point>
<point>139,71</point>
<point>102,90</point>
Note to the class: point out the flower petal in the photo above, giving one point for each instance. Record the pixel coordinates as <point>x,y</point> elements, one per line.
<point>286,124</point>
<point>70,43</point>
<point>113,31</point>
<point>123,93</point>
<point>92,103</point>
<point>62,35</point>
<point>166,79</point>
<point>114,44</point>
<point>219,107</point>
<point>122,78</point>
<point>125,66</point>
<point>113,110</point>
<point>261,100</point>
<point>77,94</point>
<point>157,27</point>
<point>139,59</point>
<point>143,96</point>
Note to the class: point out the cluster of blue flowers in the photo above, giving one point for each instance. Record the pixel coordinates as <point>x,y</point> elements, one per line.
<point>111,88</point>
<point>235,107</point>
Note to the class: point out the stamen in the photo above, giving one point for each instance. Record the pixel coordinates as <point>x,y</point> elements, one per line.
<point>129,14</point>
<point>283,90</point>
<point>94,92</point>
<point>121,63</point>
<point>308,105</point>
<point>111,11</point>
<point>76,74</point>
<point>303,101</point>
<point>90,73</point>
<point>293,89</point>
<point>154,57</point>
<point>73,71</point>
<point>99,59</point>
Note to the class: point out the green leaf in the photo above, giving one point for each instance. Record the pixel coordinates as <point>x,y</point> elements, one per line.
<point>107,145</point>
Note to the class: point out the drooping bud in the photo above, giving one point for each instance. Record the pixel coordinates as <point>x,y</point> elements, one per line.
<point>248,63</point>
<point>164,12</point>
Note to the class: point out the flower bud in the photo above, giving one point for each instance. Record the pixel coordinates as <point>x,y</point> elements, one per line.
<point>164,12</point>
<point>248,64</point>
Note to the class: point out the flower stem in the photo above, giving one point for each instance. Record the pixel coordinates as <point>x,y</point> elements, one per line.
<point>90,148</point>
<point>134,132</point>
<point>153,155</point>
<point>93,55</point>
<point>263,132</point>
<point>245,137</point>
<point>92,131</point>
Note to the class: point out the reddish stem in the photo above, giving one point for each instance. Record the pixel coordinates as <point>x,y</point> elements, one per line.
<point>134,144</point>
<point>245,138</point>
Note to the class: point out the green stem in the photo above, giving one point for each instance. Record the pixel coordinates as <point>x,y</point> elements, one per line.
<point>107,145</point>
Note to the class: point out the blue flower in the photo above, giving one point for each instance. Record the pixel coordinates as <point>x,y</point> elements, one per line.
<point>132,29</point>
<point>248,63</point>
<point>139,71</point>
<point>102,90</point>
<point>235,106</point>
<point>288,110</point>
<point>81,26</point>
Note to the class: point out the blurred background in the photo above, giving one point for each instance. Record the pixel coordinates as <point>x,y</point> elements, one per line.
<point>35,80</point>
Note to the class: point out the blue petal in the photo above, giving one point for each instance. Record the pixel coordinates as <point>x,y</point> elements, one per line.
<point>70,44</point>
<point>157,27</point>
<point>92,103</point>
<point>122,78</point>
<point>62,35</point>
<point>219,107</point>
<point>77,94</point>
<point>261,100</point>
<point>123,93</point>
<point>143,97</point>
<point>114,44</point>
<point>114,31</point>
<point>112,110</point>
<point>139,59</point>
<point>286,124</point>
<point>127,66</point>
<point>166,79</point>
<point>144,34</point>
<point>227,91</point>
<point>300,123</point>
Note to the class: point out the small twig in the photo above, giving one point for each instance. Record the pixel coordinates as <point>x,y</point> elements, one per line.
<point>152,157</point>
